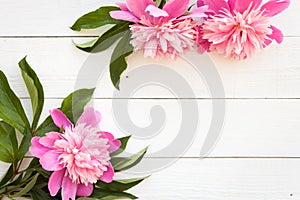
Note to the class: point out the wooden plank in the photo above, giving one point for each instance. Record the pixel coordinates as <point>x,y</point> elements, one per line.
<point>226,179</point>
<point>53,18</point>
<point>273,73</point>
<point>252,128</point>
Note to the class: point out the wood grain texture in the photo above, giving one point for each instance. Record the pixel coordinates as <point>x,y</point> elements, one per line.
<point>273,73</point>
<point>53,18</point>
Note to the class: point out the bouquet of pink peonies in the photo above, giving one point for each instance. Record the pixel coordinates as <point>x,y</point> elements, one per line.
<point>236,29</point>
<point>70,153</point>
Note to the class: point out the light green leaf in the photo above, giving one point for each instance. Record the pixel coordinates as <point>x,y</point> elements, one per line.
<point>35,90</point>
<point>131,161</point>
<point>118,63</point>
<point>8,143</point>
<point>124,142</point>
<point>28,187</point>
<point>105,40</point>
<point>120,185</point>
<point>95,19</point>
<point>11,110</point>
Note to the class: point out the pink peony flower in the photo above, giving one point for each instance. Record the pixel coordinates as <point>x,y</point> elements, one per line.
<point>239,28</point>
<point>160,32</point>
<point>79,157</point>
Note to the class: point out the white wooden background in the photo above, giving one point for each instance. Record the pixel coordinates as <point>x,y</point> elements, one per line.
<point>258,155</point>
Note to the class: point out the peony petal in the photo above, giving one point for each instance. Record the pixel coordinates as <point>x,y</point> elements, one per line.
<point>60,119</point>
<point>242,5</point>
<point>37,149</point>
<point>138,7</point>
<point>90,117</point>
<point>176,8</point>
<point>200,3</point>
<point>156,12</point>
<point>198,12</point>
<point>276,35</point>
<point>124,15</point>
<point>68,189</point>
<point>50,139</point>
<point>215,5</point>
<point>55,181</point>
<point>49,161</point>
<point>122,6</point>
<point>84,191</point>
<point>274,7</point>
<point>108,175</point>
<point>114,144</point>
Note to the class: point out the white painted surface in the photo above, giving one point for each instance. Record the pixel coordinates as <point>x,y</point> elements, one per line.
<point>258,154</point>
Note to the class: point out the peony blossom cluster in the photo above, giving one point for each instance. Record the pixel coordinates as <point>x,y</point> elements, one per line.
<point>236,29</point>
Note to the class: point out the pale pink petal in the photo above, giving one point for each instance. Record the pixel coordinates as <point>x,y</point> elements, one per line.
<point>108,175</point>
<point>114,144</point>
<point>198,12</point>
<point>276,35</point>
<point>49,161</point>
<point>84,191</point>
<point>215,5</point>
<point>124,15</point>
<point>60,119</point>
<point>242,5</point>
<point>156,12</point>
<point>37,149</point>
<point>122,6</point>
<point>138,7</point>
<point>68,189</point>
<point>176,8</point>
<point>50,139</point>
<point>90,117</point>
<point>274,7</point>
<point>55,181</point>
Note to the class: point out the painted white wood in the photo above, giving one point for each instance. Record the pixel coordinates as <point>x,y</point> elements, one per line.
<point>228,179</point>
<point>252,128</point>
<point>53,18</point>
<point>272,73</point>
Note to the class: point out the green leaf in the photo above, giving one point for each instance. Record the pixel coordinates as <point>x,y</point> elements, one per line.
<point>95,19</point>
<point>35,90</point>
<point>38,194</point>
<point>118,63</point>
<point>108,195</point>
<point>105,40</point>
<point>160,3</point>
<point>25,144</point>
<point>28,187</point>
<point>8,143</point>
<point>74,104</point>
<point>131,161</point>
<point>7,176</point>
<point>124,142</point>
<point>11,110</point>
<point>120,185</point>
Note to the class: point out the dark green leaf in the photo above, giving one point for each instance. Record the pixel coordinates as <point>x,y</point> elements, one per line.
<point>105,40</point>
<point>35,90</point>
<point>160,3</point>
<point>27,188</point>
<point>74,104</point>
<point>25,144</point>
<point>8,143</point>
<point>118,63</point>
<point>108,195</point>
<point>124,142</point>
<point>131,161</point>
<point>115,160</point>
<point>120,185</point>
<point>7,176</point>
<point>46,127</point>
<point>38,194</point>
<point>95,19</point>
<point>11,110</point>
